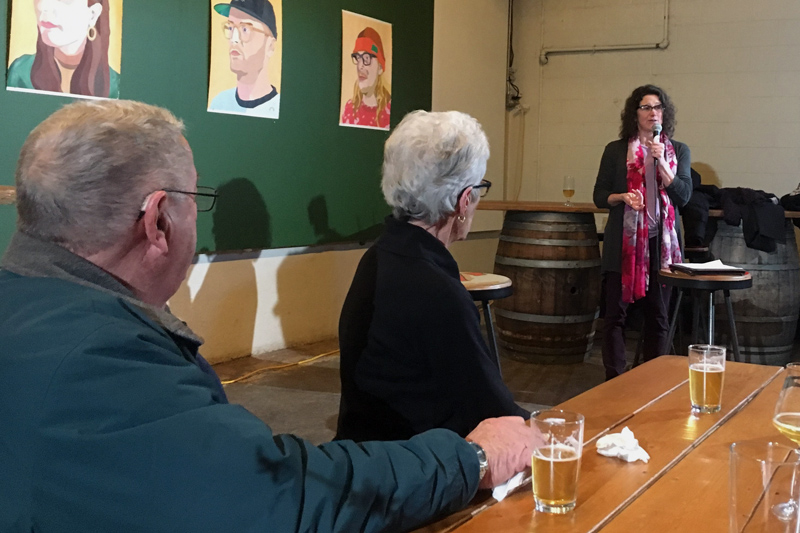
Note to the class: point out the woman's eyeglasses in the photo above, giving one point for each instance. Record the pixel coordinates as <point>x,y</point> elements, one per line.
<point>483,188</point>
<point>648,108</point>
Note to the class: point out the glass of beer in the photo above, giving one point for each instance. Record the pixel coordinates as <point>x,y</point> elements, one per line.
<point>706,376</point>
<point>557,461</point>
<point>787,410</point>
<point>568,189</point>
<point>787,421</point>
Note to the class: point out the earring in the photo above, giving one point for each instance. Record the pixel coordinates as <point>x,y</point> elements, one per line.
<point>91,33</point>
<point>461,219</point>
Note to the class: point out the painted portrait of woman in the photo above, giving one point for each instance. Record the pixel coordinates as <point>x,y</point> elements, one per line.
<point>72,50</point>
<point>370,100</point>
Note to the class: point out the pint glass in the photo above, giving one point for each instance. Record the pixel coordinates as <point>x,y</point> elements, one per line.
<point>706,377</point>
<point>556,462</point>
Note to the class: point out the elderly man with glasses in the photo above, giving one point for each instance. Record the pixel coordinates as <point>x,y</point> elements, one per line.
<point>252,32</point>
<point>112,420</point>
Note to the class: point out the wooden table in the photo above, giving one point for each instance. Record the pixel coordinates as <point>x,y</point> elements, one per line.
<point>689,456</point>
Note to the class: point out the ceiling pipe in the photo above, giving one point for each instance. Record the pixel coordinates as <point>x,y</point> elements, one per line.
<point>664,43</point>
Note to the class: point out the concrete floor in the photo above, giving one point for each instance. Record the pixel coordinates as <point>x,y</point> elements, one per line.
<point>304,399</point>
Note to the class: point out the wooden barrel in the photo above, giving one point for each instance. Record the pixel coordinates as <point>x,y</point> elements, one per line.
<point>766,314</point>
<point>553,261</point>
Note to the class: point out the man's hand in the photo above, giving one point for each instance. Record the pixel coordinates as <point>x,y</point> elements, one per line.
<point>508,442</point>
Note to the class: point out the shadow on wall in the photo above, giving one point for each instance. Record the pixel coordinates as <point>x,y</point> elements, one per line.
<point>311,287</point>
<point>318,216</point>
<point>241,219</point>
<point>709,175</point>
<point>219,301</point>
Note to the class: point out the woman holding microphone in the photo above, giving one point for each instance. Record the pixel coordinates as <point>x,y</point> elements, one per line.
<point>644,177</point>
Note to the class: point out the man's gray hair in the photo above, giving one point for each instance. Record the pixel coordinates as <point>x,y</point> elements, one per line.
<point>428,160</point>
<point>84,172</point>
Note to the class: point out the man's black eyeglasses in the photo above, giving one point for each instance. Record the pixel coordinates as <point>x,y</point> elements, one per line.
<point>204,197</point>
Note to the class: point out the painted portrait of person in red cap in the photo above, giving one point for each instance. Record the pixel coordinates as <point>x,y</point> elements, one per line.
<point>369,103</point>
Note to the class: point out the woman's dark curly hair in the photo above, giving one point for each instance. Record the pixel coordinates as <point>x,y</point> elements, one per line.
<point>630,124</point>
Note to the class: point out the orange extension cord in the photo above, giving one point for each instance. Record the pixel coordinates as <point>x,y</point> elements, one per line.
<point>277,367</point>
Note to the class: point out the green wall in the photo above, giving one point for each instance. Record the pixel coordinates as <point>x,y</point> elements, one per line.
<point>299,180</point>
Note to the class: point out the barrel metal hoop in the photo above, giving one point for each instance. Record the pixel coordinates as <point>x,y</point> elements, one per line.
<point>565,228</point>
<point>543,216</point>
<point>535,263</point>
<point>547,319</point>
<point>765,350</point>
<point>547,242</point>
<point>541,350</point>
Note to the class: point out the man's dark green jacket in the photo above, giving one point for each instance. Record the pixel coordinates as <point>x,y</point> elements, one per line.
<point>110,422</point>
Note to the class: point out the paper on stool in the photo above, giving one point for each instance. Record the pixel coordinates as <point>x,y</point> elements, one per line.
<point>623,445</point>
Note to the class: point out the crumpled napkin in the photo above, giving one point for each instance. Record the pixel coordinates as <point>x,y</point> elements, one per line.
<point>501,491</point>
<point>623,445</point>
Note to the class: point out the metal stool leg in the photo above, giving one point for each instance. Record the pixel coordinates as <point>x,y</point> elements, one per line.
<point>710,317</point>
<point>732,325</point>
<point>639,348</point>
<point>695,317</point>
<point>674,322</point>
<point>487,315</point>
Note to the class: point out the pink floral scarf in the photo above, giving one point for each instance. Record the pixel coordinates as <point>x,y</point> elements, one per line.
<point>635,248</point>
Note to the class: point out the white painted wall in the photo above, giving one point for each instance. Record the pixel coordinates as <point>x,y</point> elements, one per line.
<point>469,71</point>
<point>732,68</point>
<point>243,305</point>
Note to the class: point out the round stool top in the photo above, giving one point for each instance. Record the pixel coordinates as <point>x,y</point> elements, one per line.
<point>482,286</point>
<point>481,281</point>
<point>708,282</point>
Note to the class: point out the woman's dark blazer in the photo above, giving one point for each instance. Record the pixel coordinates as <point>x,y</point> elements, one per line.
<point>613,178</point>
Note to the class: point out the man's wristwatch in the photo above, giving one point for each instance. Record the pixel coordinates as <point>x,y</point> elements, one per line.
<point>482,461</point>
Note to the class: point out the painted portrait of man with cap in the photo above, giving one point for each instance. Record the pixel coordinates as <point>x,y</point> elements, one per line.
<point>366,72</point>
<point>245,36</point>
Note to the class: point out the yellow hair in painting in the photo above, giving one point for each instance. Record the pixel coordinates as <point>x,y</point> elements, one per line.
<point>382,94</point>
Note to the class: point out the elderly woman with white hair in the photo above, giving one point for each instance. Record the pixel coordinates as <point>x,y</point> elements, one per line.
<point>412,354</point>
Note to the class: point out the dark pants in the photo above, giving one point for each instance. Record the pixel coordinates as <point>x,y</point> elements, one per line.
<point>656,322</point>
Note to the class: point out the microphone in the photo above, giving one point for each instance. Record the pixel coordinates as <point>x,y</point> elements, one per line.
<point>656,137</point>
<point>656,130</point>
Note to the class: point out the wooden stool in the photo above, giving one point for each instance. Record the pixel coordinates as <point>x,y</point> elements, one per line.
<point>484,288</point>
<point>710,283</point>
